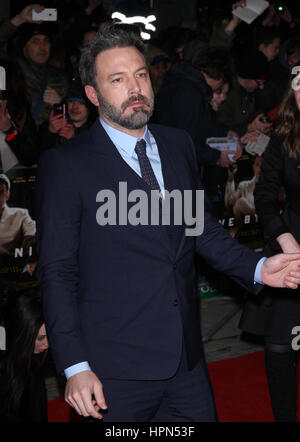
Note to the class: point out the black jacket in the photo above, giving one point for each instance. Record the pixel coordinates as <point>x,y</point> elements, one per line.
<point>184,102</point>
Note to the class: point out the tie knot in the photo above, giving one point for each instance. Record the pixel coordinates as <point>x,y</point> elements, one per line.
<point>140,147</point>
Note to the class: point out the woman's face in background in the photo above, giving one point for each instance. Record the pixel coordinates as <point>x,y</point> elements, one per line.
<point>41,342</point>
<point>219,96</point>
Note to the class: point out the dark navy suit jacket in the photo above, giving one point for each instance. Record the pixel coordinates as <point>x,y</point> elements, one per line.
<point>124,298</point>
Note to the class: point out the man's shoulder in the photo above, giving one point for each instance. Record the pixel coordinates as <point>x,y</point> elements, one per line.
<point>73,150</point>
<point>174,139</point>
<point>168,131</point>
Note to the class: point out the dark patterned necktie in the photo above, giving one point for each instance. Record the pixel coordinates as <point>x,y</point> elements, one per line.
<point>145,165</point>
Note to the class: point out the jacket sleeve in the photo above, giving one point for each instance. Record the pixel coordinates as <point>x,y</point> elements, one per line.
<point>58,208</point>
<point>266,193</point>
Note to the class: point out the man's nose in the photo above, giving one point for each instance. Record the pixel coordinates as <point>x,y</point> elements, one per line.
<point>134,86</point>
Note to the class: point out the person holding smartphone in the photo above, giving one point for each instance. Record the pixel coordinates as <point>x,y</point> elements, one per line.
<point>69,118</point>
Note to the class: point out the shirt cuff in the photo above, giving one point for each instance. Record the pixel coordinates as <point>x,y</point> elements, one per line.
<point>77,368</point>
<point>257,271</point>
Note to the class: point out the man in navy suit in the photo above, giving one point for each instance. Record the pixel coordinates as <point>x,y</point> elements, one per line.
<point>120,298</point>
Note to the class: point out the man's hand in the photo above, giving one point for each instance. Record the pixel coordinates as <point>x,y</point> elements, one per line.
<point>224,161</point>
<point>84,392</point>
<point>51,96</point>
<point>256,124</point>
<point>250,137</point>
<point>56,122</point>
<point>282,271</point>
<point>286,15</point>
<point>288,243</point>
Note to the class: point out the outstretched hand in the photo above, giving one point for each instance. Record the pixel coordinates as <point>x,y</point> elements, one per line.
<point>282,271</point>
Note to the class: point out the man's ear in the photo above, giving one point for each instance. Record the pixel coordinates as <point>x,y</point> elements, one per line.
<point>92,95</point>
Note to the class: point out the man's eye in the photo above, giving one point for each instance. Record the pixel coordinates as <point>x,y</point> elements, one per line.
<point>116,80</point>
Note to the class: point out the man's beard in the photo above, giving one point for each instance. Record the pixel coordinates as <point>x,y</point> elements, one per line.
<point>139,117</point>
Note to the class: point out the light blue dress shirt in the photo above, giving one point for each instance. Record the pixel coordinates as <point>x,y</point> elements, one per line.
<point>125,144</point>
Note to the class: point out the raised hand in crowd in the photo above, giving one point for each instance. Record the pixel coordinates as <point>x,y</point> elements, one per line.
<point>257,124</point>
<point>51,96</point>
<point>287,16</point>
<point>58,124</point>
<point>235,21</point>
<point>250,137</point>
<point>25,16</point>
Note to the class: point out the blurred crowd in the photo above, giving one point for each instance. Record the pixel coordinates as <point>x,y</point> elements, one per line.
<point>217,77</point>
<point>226,74</point>
<point>213,75</point>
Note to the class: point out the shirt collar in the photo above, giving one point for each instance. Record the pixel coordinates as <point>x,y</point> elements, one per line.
<point>123,140</point>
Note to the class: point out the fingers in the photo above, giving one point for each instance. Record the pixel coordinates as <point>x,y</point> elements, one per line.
<point>80,390</point>
<point>83,405</point>
<point>291,283</point>
<point>99,397</point>
<point>293,257</point>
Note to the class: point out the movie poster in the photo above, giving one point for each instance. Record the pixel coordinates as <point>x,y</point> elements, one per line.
<point>18,258</point>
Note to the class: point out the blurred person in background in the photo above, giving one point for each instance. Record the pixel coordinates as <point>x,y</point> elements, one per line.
<point>240,111</point>
<point>19,141</point>
<point>76,116</point>
<point>277,311</point>
<point>23,395</point>
<point>46,85</point>
<point>17,228</point>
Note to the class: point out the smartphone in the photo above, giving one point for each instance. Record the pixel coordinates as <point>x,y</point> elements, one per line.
<point>48,14</point>
<point>60,109</point>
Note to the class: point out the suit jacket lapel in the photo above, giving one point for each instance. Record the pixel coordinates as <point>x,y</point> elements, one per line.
<point>118,168</point>
<point>172,181</point>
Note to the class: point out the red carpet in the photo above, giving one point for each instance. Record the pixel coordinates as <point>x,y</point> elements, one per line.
<point>240,389</point>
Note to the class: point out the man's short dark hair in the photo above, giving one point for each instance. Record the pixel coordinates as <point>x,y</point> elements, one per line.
<point>109,36</point>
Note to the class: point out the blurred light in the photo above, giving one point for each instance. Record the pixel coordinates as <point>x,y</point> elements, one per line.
<point>145,36</point>
<point>146,21</point>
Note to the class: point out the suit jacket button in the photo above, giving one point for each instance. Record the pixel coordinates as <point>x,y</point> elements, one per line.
<point>175,303</point>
